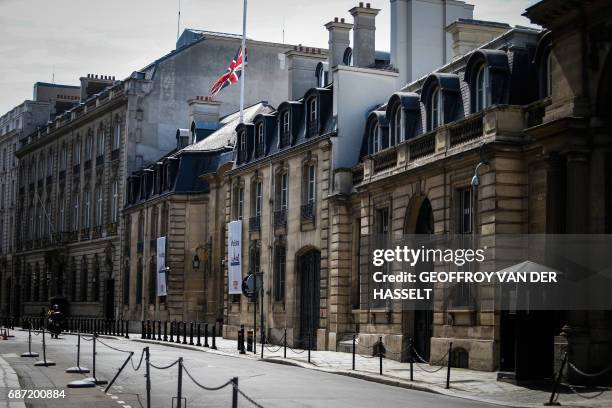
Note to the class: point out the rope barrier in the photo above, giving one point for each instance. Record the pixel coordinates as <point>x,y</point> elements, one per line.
<point>136,368</point>
<point>582,373</point>
<point>164,367</point>
<point>247,397</point>
<point>113,348</point>
<point>203,386</point>
<point>571,387</point>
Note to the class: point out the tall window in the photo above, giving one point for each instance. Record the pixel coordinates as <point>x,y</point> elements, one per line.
<point>62,212</point>
<point>152,282</point>
<point>465,211</point>
<point>87,209</point>
<point>434,110</point>
<point>50,163</point>
<point>310,186</point>
<point>88,147</point>
<point>77,152</point>
<point>243,147</point>
<point>63,157</point>
<point>482,89</point>
<point>548,75</point>
<point>376,138</point>
<point>312,110</point>
<point>126,283</point>
<point>99,207</point>
<point>280,261</point>
<point>238,202</point>
<point>258,198</point>
<point>76,212</point>
<point>383,234</point>
<point>397,126</point>
<point>115,202</point>
<point>117,136</point>
<point>285,126</point>
<point>284,191</point>
<point>139,282</point>
<point>47,218</point>
<point>284,130</point>
<point>100,142</point>
<point>259,145</point>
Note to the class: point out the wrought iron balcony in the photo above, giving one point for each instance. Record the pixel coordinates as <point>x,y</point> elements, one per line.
<point>385,159</point>
<point>308,211</point>
<point>255,223</point>
<point>280,218</point>
<point>466,130</point>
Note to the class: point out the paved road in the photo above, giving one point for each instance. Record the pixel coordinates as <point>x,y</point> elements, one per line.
<point>271,385</point>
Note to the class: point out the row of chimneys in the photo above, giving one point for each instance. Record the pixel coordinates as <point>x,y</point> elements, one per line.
<point>364,36</point>
<point>105,77</point>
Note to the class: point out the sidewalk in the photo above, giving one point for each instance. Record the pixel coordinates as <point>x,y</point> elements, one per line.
<point>8,381</point>
<point>468,384</point>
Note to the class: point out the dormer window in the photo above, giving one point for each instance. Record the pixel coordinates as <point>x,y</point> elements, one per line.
<point>243,148</point>
<point>312,117</point>
<point>482,94</point>
<point>285,131</point>
<point>434,110</point>
<point>396,133</point>
<point>259,143</point>
<point>375,137</point>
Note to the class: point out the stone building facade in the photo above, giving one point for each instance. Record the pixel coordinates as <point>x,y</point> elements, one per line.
<point>48,100</point>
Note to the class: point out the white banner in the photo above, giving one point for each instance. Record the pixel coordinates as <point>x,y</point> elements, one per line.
<point>234,257</point>
<point>161,267</point>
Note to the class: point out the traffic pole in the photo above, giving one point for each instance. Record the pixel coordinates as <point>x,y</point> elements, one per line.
<point>148,376</point>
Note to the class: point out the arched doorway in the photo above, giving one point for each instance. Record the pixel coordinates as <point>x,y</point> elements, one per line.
<point>419,224</point>
<point>309,264</point>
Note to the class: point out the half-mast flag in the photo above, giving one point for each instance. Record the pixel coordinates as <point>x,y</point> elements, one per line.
<point>232,75</point>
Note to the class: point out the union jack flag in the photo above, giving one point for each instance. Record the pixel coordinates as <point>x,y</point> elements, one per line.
<point>232,75</point>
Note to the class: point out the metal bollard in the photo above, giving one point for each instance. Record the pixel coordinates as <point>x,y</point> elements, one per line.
<point>178,331</point>
<point>214,337</point>
<point>309,345</point>
<point>179,394</point>
<point>142,329</point>
<point>557,381</point>
<point>191,333</point>
<point>354,344</point>
<point>165,330</point>
<point>285,345</point>
<point>241,340</point>
<point>171,332</point>
<point>450,355</point>
<point>159,330</point>
<point>206,335</point>
<point>235,392</point>
<point>148,376</point>
<point>127,329</point>
<point>184,332</point>
<point>380,354</point>
<point>411,357</point>
<point>199,343</point>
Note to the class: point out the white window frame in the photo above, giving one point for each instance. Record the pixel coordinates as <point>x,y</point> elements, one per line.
<point>312,110</point>
<point>99,206</point>
<point>435,109</point>
<point>117,138</point>
<point>76,214</point>
<point>284,191</point>
<point>87,209</point>
<point>258,198</point>
<point>115,202</point>
<point>482,91</point>
<point>286,121</point>
<point>311,184</point>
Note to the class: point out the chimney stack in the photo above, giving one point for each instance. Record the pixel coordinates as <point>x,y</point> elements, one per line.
<point>93,84</point>
<point>364,34</point>
<point>470,34</point>
<point>203,116</point>
<point>339,40</point>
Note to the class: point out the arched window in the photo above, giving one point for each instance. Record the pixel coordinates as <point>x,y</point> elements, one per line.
<point>548,74</point>
<point>375,138</point>
<point>396,134</point>
<point>284,129</point>
<point>347,58</point>
<point>259,142</point>
<point>434,109</point>
<point>481,91</point>
<point>312,116</point>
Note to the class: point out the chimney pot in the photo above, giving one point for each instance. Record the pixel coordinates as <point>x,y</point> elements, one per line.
<point>342,20</point>
<point>335,19</point>
<point>367,5</point>
<point>361,4</point>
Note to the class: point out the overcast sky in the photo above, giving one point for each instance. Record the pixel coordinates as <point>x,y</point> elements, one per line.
<point>70,38</point>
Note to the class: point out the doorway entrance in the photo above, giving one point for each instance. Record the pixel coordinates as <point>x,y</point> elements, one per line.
<point>309,279</point>
<point>109,299</point>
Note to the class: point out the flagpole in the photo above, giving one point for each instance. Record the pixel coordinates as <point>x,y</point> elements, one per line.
<point>243,52</point>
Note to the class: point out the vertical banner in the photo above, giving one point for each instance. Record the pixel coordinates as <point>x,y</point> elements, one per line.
<point>161,267</point>
<point>234,257</point>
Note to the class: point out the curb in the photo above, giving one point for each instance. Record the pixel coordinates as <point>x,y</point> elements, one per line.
<point>10,382</point>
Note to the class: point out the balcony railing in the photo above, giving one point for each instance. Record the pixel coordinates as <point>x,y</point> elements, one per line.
<point>465,131</point>
<point>100,160</point>
<point>280,218</point>
<point>308,211</point>
<point>385,159</point>
<point>97,232</point>
<point>255,223</point>
<point>423,146</point>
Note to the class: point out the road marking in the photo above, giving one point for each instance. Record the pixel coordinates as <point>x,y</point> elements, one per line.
<point>114,397</point>
<point>120,402</point>
<point>127,406</point>
<point>9,355</point>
